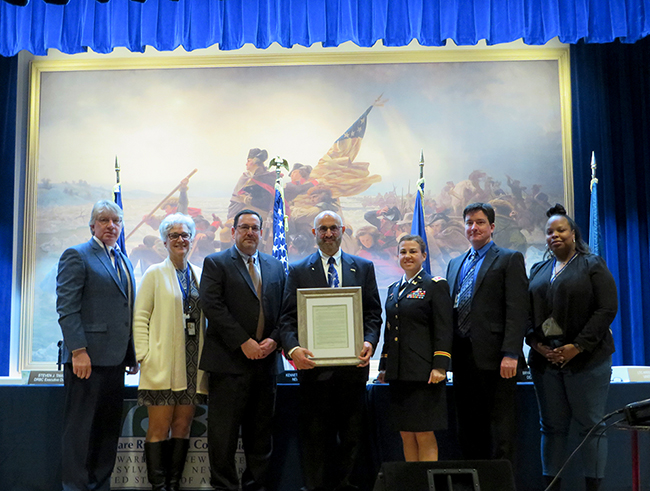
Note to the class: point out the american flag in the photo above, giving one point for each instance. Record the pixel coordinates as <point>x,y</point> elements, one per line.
<point>279,235</point>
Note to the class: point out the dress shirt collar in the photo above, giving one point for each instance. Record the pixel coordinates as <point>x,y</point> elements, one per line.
<point>405,280</point>
<point>483,250</point>
<point>246,256</point>
<point>325,257</point>
<point>106,247</point>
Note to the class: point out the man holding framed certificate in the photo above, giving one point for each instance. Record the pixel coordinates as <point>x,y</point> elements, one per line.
<point>332,397</point>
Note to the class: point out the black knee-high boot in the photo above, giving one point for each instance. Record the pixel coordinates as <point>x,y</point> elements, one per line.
<point>549,479</point>
<point>156,455</point>
<point>592,483</point>
<point>178,454</point>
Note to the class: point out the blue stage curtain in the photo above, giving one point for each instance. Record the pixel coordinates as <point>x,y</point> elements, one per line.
<point>8,73</point>
<point>166,24</point>
<point>610,86</point>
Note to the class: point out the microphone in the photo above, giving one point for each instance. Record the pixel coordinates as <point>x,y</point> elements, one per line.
<point>637,413</point>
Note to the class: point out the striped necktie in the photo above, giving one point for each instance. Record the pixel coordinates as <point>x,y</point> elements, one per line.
<point>332,275</point>
<point>465,296</point>
<point>257,283</point>
<point>120,270</point>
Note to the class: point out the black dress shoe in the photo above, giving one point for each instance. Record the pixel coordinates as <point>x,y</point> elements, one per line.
<point>253,486</point>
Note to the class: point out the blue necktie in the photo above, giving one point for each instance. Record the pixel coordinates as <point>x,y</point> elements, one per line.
<point>465,296</point>
<point>332,275</point>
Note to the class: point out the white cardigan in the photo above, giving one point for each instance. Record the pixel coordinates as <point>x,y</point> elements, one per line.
<point>159,330</point>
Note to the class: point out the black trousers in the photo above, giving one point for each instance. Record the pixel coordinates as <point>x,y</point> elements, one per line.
<point>91,427</point>
<point>244,401</point>
<point>485,406</point>
<point>333,423</point>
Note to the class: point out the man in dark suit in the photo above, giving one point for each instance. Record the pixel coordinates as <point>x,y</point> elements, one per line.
<point>241,296</point>
<point>332,399</point>
<point>490,291</point>
<point>95,291</point>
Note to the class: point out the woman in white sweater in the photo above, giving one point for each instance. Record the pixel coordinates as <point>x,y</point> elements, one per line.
<point>168,329</point>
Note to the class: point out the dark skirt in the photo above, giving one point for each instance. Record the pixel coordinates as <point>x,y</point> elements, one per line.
<point>417,406</point>
<point>188,396</point>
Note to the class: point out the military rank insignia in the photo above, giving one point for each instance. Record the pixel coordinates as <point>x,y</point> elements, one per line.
<point>417,294</point>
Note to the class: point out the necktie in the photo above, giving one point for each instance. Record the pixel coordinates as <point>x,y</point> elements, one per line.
<point>465,296</point>
<point>402,288</point>
<point>332,275</point>
<point>257,283</point>
<point>120,271</point>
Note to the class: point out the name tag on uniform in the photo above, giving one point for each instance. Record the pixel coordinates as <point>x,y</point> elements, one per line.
<point>417,294</point>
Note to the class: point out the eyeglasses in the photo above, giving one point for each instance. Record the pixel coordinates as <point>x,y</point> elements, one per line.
<point>106,221</point>
<point>246,228</point>
<point>183,235</point>
<point>332,228</point>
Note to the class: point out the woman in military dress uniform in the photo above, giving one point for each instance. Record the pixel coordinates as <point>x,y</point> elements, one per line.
<point>416,353</point>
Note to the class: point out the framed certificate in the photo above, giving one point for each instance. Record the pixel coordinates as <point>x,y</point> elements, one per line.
<point>330,324</point>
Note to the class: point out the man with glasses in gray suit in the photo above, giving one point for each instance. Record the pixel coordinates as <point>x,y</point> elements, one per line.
<point>95,289</point>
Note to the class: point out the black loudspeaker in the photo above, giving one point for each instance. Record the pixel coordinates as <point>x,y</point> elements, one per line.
<point>449,475</point>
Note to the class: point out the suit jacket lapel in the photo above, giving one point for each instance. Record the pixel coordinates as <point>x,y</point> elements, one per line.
<point>243,270</point>
<point>490,257</point>
<point>265,270</point>
<point>348,271</point>
<point>454,270</point>
<point>125,263</point>
<point>317,271</point>
<point>129,266</point>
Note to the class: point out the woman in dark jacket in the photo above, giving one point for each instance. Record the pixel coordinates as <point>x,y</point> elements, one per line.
<point>574,301</point>
<point>416,354</point>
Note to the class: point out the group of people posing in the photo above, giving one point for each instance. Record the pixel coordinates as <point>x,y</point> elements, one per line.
<point>215,333</point>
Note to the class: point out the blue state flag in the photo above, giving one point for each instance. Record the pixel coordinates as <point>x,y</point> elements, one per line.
<point>594,223</point>
<point>117,197</point>
<point>279,235</point>
<point>418,227</point>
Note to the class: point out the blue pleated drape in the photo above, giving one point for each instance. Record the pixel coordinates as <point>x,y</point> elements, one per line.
<point>193,24</point>
<point>610,86</point>
<point>8,78</point>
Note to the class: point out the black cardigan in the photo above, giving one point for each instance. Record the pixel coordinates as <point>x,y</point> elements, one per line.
<point>583,301</point>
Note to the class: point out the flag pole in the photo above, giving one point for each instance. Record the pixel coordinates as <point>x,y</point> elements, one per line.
<point>421,180</point>
<point>594,180</point>
<point>279,162</point>
<point>160,204</point>
<point>418,226</point>
<point>117,170</point>
<point>117,198</point>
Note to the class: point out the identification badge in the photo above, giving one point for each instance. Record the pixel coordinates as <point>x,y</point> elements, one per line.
<point>191,328</point>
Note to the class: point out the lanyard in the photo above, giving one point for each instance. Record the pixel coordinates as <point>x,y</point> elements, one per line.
<point>186,293</point>
<point>554,274</point>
